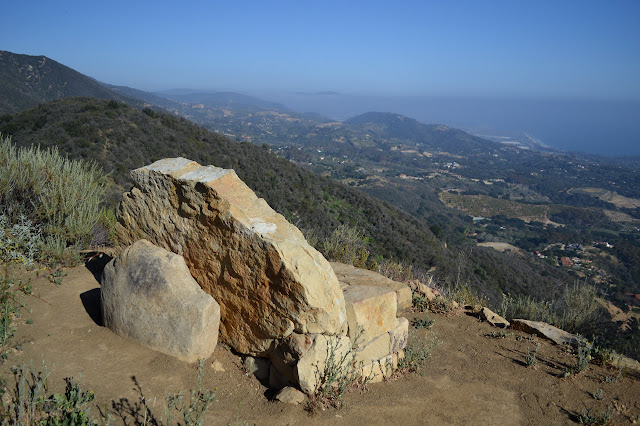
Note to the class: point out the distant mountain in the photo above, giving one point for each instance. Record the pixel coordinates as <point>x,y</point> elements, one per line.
<point>147,97</point>
<point>229,100</point>
<point>30,80</point>
<point>405,130</point>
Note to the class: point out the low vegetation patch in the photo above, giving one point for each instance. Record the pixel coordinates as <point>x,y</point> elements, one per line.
<point>601,418</point>
<point>62,197</point>
<point>28,401</point>
<point>339,374</point>
<point>417,352</point>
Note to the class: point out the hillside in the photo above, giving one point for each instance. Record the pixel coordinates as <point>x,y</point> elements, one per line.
<point>30,80</point>
<point>397,159</point>
<point>121,138</point>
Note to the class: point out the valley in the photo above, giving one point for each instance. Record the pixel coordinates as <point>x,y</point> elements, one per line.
<point>435,197</point>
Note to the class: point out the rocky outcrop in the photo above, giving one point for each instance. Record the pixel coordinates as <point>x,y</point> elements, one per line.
<point>268,280</point>
<point>546,331</point>
<point>351,276</point>
<point>148,295</point>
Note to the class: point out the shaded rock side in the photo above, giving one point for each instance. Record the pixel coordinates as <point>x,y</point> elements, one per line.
<point>268,280</point>
<point>148,295</point>
<point>350,275</point>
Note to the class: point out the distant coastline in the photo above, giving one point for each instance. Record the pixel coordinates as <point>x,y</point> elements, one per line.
<point>603,127</point>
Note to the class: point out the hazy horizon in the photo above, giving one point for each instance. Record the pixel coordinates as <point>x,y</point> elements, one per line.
<point>581,56</point>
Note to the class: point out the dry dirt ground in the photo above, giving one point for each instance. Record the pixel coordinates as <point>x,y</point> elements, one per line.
<point>470,379</point>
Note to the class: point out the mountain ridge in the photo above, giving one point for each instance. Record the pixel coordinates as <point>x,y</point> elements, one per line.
<point>29,80</point>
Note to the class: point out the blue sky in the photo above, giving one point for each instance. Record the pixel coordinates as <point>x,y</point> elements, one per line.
<point>562,49</point>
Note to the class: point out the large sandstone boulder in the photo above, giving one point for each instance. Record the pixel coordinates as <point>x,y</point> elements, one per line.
<point>148,295</point>
<point>268,280</point>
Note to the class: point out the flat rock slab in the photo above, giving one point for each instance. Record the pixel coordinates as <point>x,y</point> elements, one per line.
<point>268,280</point>
<point>546,331</point>
<point>148,295</point>
<point>351,275</point>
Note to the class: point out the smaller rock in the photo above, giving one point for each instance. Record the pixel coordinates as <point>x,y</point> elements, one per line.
<point>217,366</point>
<point>290,395</point>
<point>353,276</point>
<point>148,295</point>
<point>400,335</point>
<point>494,319</point>
<point>259,367</point>
<point>376,349</point>
<point>428,292</point>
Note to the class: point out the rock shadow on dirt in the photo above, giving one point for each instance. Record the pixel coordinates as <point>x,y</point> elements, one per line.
<point>139,411</point>
<point>91,302</point>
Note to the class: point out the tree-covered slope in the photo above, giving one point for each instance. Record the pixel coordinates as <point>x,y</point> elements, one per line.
<point>30,80</point>
<point>121,138</point>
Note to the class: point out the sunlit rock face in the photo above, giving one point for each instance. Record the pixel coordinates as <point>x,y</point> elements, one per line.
<point>268,280</point>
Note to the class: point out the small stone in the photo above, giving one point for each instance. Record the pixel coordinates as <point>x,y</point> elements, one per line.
<point>493,318</point>
<point>371,312</point>
<point>546,331</point>
<point>259,367</point>
<point>362,277</point>
<point>290,395</point>
<point>400,335</point>
<point>217,366</point>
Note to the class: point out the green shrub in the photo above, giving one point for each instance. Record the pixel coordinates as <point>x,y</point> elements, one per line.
<point>423,323</point>
<point>347,245</point>
<point>195,406</point>
<point>583,356</point>
<point>578,308</point>
<point>532,357</point>
<point>28,402</point>
<point>59,195</point>
<point>587,417</point>
<point>18,245</point>
<point>339,373</point>
<point>574,310</point>
<point>397,270</point>
<point>417,352</point>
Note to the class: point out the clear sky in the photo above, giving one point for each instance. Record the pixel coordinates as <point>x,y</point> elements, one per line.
<point>486,48</point>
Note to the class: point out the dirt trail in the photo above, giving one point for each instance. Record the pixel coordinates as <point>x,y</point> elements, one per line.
<point>470,379</point>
